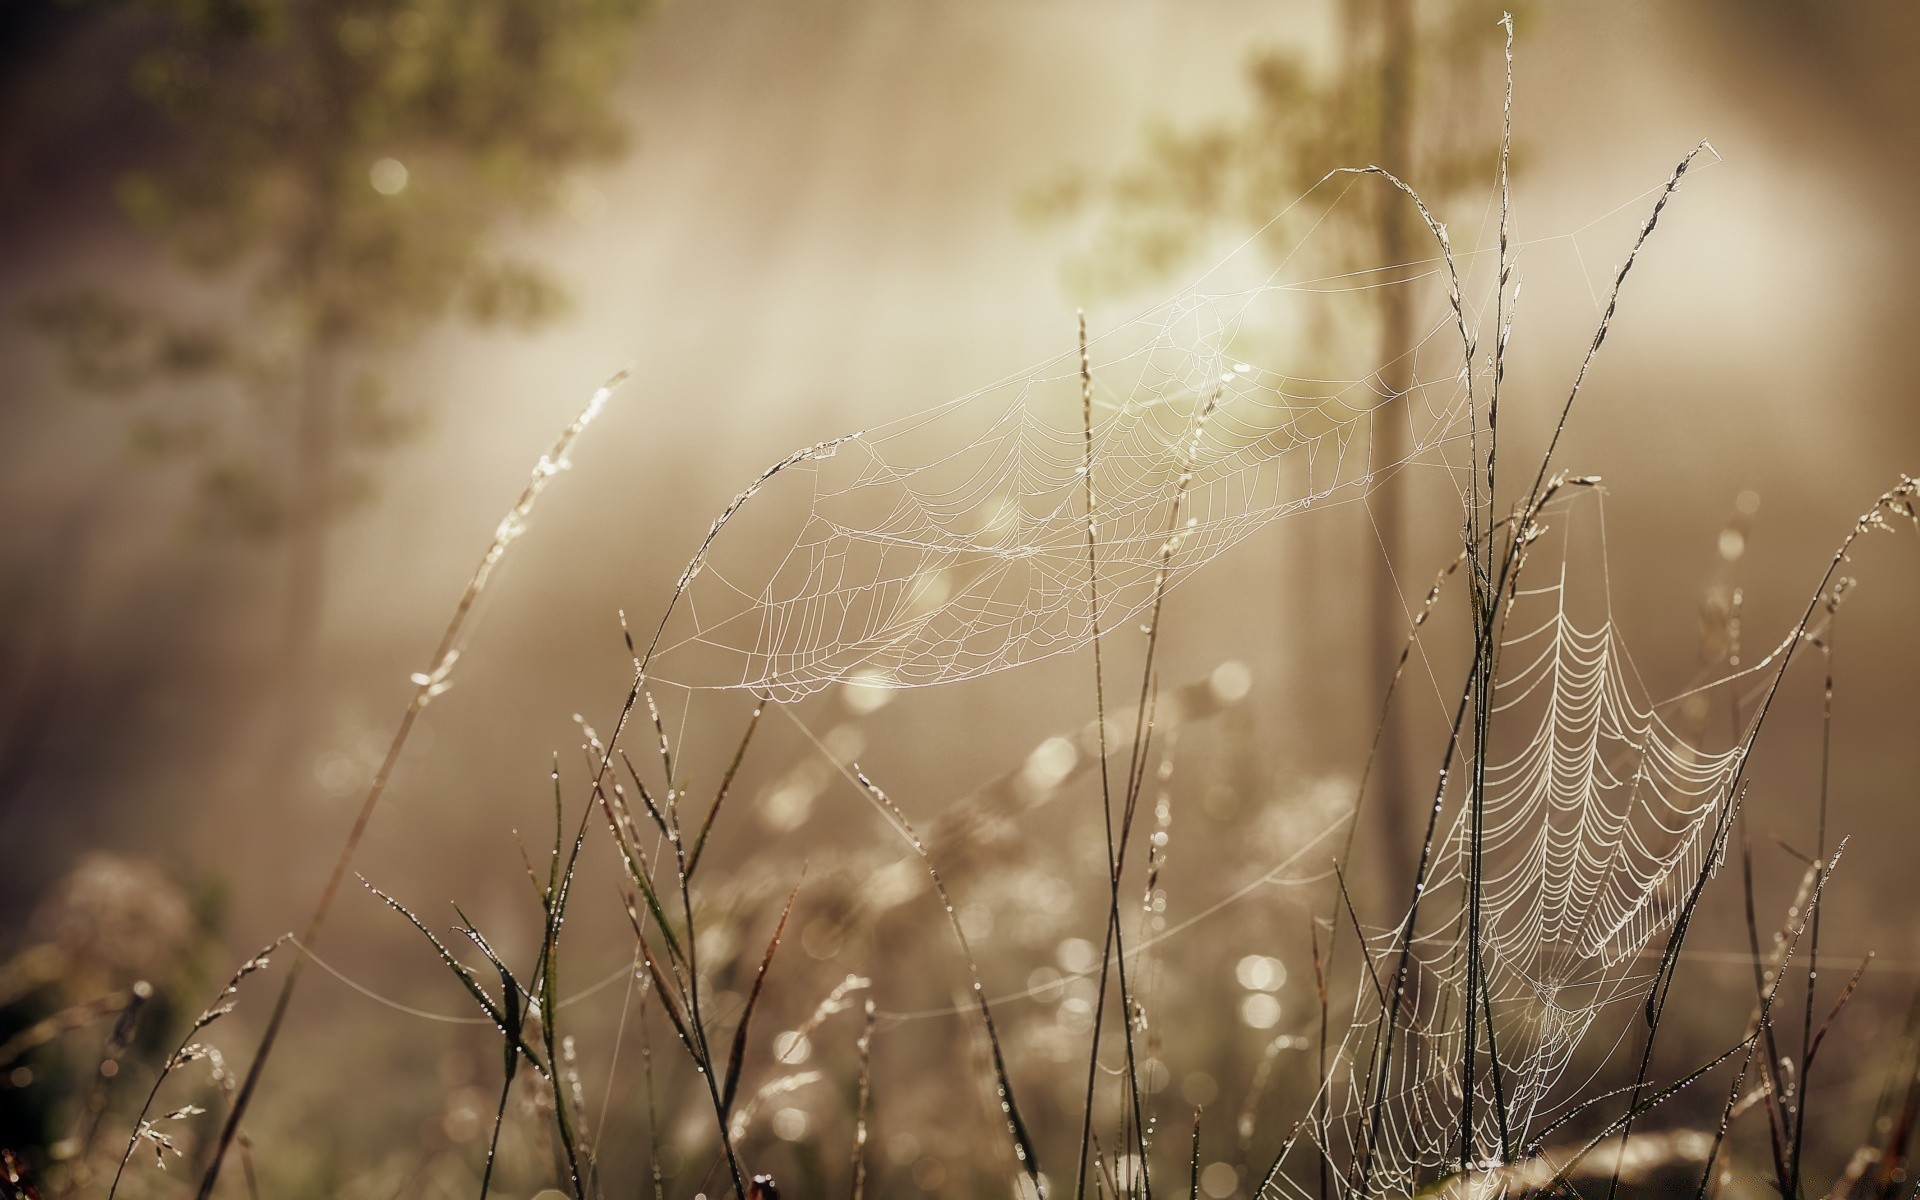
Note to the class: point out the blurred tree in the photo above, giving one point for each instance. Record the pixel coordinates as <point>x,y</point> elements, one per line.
<point>1408,91</point>
<point>332,179</point>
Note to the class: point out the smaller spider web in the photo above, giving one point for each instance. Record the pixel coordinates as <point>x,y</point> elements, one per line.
<point>952,543</point>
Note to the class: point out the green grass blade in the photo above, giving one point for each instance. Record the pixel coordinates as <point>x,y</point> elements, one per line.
<point>736,1056</point>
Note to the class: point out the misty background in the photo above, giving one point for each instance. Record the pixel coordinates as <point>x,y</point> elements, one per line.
<point>823,217</point>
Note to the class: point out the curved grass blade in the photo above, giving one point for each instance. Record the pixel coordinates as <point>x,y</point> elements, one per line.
<point>667,1003</point>
<point>726,785</point>
<point>646,796</point>
<point>461,971</point>
<point>736,1056</point>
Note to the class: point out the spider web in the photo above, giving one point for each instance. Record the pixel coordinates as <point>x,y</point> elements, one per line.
<point>953,543</point>
<point>1599,813</point>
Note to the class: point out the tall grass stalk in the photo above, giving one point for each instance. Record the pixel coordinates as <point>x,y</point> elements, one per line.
<point>427,685</point>
<point>1106,781</point>
<point>1023,1147</point>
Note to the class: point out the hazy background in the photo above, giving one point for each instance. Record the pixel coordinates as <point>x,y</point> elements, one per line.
<point>819,226</point>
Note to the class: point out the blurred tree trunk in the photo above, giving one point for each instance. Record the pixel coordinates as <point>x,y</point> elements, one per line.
<point>1393,32</point>
<point>311,487</point>
<point>310,493</point>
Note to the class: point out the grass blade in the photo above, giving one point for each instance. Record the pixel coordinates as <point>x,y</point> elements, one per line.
<point>736,1056</point>
<point>726,785</point>
<point>1193,1188</point>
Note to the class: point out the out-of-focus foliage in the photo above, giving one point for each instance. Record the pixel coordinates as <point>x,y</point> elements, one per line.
<point>101,972</point>
<point>1303,118</point>
<point>339,173</point>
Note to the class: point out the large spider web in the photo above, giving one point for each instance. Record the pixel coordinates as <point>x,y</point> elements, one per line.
<point>1600,811</point>
<point>952,543</point>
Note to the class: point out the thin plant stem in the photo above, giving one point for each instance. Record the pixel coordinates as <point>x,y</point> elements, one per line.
<point>427,685</point>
